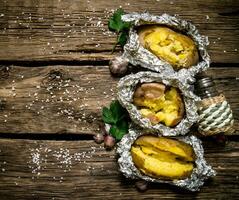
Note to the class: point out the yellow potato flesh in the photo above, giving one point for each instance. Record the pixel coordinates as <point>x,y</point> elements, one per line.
<point>160,164</point>
<point>178,148</point>
<point>173,47</point>
<point>167,109</point>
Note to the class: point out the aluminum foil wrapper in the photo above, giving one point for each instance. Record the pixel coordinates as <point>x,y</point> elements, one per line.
<point>136,54</point>
<point>126,89</point>
<point>201,172</point>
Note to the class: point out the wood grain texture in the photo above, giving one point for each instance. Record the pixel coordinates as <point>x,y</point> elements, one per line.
<point>57,99</point>
<point>69,99</point>
<point>61,102</point>
<point>84,170</point>
<point>44,30</point>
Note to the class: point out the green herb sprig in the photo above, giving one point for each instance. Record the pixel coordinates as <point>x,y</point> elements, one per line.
<point>117,117</point>
<point>116,24</point>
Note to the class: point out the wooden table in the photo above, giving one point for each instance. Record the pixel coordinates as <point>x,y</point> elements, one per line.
<point>54,80</point>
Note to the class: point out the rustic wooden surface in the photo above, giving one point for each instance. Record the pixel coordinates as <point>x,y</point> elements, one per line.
<point>65,30</point>
<point>69,99</point>
<point>54,80</point>
<point>82,169</point>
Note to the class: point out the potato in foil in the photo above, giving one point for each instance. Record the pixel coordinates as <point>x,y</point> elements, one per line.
<point>176,48</point>
<point>164,158</point>
<point>160,104</point>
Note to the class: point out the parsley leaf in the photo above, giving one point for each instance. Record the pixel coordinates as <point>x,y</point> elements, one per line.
<point>122,38</point>
<point>119,130</point>
<point>107,116</point>
<point>123,126</point>
<point>116,109</point>
<point>116,24</point>
<point>117,117</point>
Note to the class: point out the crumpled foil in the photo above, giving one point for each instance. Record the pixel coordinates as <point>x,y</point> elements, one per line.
<point>136,54</point>
<point>126,89</point>
<point>201,171</point>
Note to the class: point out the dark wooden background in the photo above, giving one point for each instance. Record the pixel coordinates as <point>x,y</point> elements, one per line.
<point>54,80</point>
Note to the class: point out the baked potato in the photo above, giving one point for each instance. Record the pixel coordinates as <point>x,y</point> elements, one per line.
<point>160,104</point>
<point>174,47</point>
<point>163,158</point>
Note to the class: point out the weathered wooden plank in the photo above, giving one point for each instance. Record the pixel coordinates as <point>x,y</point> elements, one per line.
<point>69,99</point>
<point>61,99</point>
<point>61,30</point>
<point>81,169</point>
